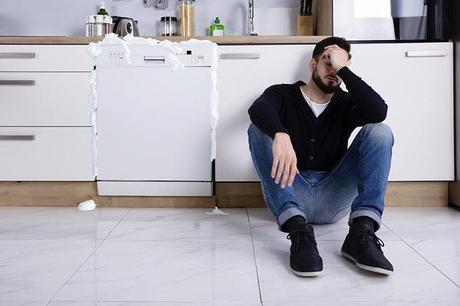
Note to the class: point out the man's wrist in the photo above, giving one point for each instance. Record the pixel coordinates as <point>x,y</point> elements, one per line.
<point>281,134</point>
<point>337,69</point>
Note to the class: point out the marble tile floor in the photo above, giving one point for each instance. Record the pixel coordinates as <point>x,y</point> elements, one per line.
<point>176,257</point>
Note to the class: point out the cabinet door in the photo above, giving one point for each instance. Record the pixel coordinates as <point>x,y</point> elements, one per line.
<point>244,73</point>
<point>46,154</point>
<point>45,99</point>
<point>416,81</point>
<point>45,58</point>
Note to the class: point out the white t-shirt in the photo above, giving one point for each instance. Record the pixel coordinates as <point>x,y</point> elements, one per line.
<point>317,108</point>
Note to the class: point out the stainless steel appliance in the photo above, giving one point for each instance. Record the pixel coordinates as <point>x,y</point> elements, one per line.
<point>392,19</point>
<point>124,26</point>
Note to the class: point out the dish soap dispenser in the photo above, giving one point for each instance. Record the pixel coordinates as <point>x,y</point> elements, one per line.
<point>102,10</point>
<point>216,29</point>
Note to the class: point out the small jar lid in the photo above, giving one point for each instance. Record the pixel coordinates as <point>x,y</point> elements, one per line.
<point>168,18</point>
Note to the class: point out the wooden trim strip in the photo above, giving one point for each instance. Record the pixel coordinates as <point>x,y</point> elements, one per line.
<point>402,194</point>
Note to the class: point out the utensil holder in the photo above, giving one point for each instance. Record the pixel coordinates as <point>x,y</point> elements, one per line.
<point>305,25</point>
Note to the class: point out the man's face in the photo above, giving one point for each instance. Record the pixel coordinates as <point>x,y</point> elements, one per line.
<point>324,76</point>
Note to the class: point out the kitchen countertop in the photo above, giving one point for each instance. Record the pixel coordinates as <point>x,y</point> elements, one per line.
<point>225,40</point>
<point>222,40</point>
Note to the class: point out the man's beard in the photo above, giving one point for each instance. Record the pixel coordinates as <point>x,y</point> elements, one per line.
<point>326,88</point>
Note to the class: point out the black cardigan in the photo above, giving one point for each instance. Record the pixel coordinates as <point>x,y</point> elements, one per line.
<point>320,142</point>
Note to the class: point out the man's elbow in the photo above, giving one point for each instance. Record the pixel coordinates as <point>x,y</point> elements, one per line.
<point>381,115</point>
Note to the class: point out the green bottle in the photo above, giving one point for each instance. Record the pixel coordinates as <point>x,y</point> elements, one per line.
<point>216,29</point>
<point>102,10</point>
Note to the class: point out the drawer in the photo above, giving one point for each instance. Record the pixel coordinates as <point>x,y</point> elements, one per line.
<point>46,154</point>
<point>45,99</point>
<point>45,58</point>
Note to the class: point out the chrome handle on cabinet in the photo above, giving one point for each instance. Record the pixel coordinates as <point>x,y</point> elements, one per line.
<point>17,137</point>
<point>426,53</point>
<point>17,54</point>
<point>155,59</point>
<point>235,56</point>
<point>18,82</point>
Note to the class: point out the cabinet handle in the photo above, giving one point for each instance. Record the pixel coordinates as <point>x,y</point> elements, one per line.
<point>156,59</point>
<point>236,56</point>
<point>426,53</point>
<point>17,137</point>
<point>18,82</point>
<point>17,55</point>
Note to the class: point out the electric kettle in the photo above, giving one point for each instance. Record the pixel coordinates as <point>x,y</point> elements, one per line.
<point>124,26</point>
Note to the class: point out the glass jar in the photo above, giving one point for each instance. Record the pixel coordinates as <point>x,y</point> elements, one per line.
<point>98,25</point>
<point>187,17</point>
<point>168,26</point>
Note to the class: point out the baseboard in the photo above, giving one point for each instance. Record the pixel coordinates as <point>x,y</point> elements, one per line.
<point>399,194</point>
<point>227,195</point>
<point>71,193</point>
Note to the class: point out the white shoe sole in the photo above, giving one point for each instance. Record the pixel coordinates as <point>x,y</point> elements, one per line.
<point>368,268</point>
<point>306,274</point>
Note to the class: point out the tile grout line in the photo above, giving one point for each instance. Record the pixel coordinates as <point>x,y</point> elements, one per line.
<point>254,252</point>
<point>88,257</point>
<point>391,230</point>
<point>430,263</point>
<point>413,249</point>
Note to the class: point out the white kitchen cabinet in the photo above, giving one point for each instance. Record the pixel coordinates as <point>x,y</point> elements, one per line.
<point>45,99</point>
<point>46,130</point>
<point>244,72</point>
<point>46,154</point>
<point>45,58</point>
<point>416,81</point>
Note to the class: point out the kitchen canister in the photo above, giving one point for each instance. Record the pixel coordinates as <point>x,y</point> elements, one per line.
<point>98,25</point>
<point>168,26</point>
<point>187,17</point>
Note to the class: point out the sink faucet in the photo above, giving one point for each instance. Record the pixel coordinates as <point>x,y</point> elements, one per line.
<point>251,19</point>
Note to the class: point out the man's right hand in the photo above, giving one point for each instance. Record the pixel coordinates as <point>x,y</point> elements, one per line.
<point>284,166</point>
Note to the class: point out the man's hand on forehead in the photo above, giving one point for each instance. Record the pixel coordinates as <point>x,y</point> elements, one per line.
<point>336,56</point>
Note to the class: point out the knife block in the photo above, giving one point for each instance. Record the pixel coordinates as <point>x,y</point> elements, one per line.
<point>305,25</point>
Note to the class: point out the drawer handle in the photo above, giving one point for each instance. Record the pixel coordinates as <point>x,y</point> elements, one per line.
<point>156,59</point>
<point>18,82</point>
<point>17,137</point>
<point>426,53</point>
<point>17,55</point>
<point>237,56</point>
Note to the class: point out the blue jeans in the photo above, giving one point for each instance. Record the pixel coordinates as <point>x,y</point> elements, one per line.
<point>357,183</point>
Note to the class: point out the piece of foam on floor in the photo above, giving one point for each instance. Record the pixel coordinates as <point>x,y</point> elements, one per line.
<point>216,211</point>
<point>87,205</point>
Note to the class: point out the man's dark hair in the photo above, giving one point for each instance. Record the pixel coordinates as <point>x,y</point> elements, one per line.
<point>339,41</point>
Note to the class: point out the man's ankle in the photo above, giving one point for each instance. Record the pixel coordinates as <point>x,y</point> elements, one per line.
<point>364,220</point>
<point>294,223</point>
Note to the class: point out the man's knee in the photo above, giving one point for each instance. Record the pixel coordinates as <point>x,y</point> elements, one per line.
<point>257,137</point>
<point>379,133</point>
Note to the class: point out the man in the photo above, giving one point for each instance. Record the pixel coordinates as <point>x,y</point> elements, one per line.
<point>298,141</point>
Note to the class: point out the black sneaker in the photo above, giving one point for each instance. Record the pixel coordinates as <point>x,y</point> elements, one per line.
<point>305,259</point>
<point>364,248</point>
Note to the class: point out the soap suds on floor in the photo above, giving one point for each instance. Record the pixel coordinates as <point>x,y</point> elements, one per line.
<point>217,211</point>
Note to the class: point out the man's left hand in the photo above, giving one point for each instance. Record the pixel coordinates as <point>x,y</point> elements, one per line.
<point>337,56</point>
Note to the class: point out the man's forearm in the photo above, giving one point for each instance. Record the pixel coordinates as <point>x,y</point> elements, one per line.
<point>370,103</point>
